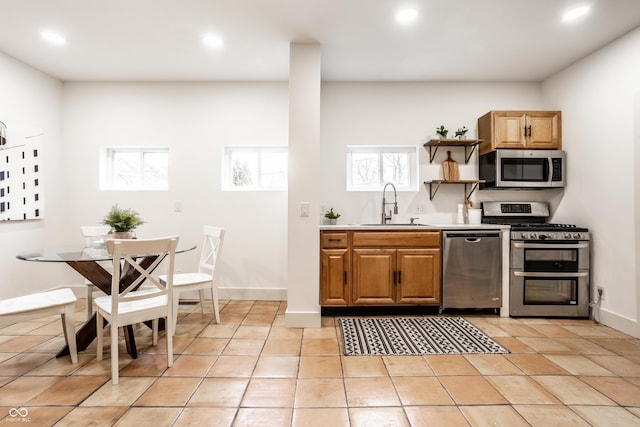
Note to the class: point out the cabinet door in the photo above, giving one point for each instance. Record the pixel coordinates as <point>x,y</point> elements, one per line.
<point>509,129</point>
<point>543,130</point>
<point>373,271</point>
<point>334,277</point>
<point>419,276</point>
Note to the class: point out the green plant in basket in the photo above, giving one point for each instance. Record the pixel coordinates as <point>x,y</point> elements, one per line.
<point>122,220</point>
<point>330,214</point>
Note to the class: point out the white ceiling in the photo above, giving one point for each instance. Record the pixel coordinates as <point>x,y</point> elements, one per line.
<point>453,40</point>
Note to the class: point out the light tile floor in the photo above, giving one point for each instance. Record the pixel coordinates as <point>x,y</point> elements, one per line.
<point>251,370</point>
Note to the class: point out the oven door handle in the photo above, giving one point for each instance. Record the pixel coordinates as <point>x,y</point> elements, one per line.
<point>550,246</point>
<point>559,275</point>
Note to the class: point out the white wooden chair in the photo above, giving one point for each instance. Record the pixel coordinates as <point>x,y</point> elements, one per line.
<point>93,234</point>
<point>129,306</point>
<point>43,304</point>
<point>204,277</point>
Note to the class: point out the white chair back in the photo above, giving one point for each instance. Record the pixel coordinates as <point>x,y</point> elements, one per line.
<point>126,253</point>
<point>211,247</point>
<point>94,233</point>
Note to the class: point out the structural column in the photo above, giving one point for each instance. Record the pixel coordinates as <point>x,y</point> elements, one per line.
<point>303,307</point>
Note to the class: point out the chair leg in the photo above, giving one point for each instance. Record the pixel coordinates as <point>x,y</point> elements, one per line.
<point>169,336</point>
<point>214,297</point>
<point>89,300</point>
<point>174,314</point>
<point>201,292</point>
<point>114,355</point>
<point>100,339</point>
<point>154,332</point>
<point>68,325</point>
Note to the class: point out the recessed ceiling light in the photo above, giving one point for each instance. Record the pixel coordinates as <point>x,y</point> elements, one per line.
<point>54,38</point>
<point>576,13</point>
<point>212,41</point>
<point>406,16</point>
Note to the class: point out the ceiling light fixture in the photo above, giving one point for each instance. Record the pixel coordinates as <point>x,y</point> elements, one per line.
<point>406,16</point>
<point>212,41</point>
<point>54,38</point>
<point>575,13</point>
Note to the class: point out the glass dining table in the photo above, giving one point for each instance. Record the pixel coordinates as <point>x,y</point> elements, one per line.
<point>88,261</point>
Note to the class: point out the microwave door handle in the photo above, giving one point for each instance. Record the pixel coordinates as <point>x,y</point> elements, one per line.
<point>550,170</point>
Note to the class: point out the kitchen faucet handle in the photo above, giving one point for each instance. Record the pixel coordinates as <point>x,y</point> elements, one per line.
<point>412,219</point>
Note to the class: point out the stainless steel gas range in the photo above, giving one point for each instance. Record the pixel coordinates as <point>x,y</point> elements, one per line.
<point>549,263</point>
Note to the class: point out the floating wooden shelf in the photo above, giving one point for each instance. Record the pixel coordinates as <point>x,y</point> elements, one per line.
<point>468,144</point>
<point>435,185</point>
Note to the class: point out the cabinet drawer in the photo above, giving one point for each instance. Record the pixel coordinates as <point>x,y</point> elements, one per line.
<point>396,239</point>
<point>333,240</point>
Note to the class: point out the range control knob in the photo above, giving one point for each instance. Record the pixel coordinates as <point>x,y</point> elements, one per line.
<point>534,235</point>
<point>567,235</point>
<point>576,235</point>
<point>524,235</point>
<point>551,236</point>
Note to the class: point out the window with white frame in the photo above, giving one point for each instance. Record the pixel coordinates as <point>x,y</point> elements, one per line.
<point>135,168</point>
<point>370,167</point>
<point>255,168</point>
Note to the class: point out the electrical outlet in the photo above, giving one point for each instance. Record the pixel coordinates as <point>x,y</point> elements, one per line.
<point>600,290</point>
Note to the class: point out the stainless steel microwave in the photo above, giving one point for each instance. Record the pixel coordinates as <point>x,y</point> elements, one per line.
<point>522,169</point>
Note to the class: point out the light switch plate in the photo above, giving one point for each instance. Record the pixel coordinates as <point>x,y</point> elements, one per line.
<point>304,209</point>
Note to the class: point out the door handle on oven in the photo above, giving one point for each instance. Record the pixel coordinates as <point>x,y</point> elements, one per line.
<point>559,275</point>
<point>550,247</point>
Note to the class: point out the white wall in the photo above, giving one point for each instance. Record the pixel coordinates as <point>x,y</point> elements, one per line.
<point>408,114</point>
<point>598,99</point>
<point>195,120</point>
<point>31,104</point>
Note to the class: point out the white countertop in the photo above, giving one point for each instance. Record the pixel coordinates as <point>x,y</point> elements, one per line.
<point>344,227</point>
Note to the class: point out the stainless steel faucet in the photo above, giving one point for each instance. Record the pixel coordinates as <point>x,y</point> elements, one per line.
<point>385,217</point>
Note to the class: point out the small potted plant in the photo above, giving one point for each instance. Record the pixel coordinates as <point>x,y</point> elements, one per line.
<point>332,216</point>
<point>442,132</point>
<point>461,132</point>
<point>122,222</point>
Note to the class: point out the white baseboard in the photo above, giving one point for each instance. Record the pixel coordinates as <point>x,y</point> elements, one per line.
<point>258,294</point>
<point>613,320</point>
<point>303,319</point>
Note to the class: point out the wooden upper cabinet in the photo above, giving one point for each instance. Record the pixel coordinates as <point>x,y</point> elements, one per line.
<point>520,130</point>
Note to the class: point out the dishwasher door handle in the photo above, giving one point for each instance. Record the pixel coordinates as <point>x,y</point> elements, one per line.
<point>473,239</point>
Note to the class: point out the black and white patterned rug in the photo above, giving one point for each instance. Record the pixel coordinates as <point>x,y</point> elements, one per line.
<point>414,335</point>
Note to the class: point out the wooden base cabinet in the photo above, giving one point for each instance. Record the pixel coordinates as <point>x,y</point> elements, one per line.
<point>334,277</point>
<point>396,276</point>
<point>335,267</point>
<point>520,130</point>
<point>386,268</point>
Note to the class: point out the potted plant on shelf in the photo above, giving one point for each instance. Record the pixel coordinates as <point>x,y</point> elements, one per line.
<point>461,132</point>
<point>122,222</point>
<point>332,216</point>
<point>442,132</point>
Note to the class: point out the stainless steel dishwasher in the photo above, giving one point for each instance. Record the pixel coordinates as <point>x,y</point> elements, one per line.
<point>472,269</point>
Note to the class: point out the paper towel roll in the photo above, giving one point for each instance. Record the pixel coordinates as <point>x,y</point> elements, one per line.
<point>475,216</point>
